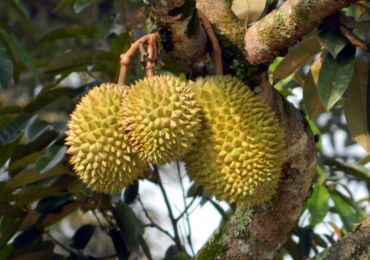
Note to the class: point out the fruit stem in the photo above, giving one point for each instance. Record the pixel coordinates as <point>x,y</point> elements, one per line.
<point>125,58</point>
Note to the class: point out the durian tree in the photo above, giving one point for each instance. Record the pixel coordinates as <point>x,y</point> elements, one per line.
<point>262,101</point>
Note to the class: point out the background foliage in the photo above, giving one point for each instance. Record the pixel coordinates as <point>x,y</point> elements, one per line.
<point>52,52</point>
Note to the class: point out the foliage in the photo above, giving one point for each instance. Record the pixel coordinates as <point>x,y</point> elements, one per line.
<point>48,46</point>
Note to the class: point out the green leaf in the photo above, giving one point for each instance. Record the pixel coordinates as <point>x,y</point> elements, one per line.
<point>346,213</point>
<point>332,39</point>
<point>78,58</point>
<point>318,204</point>
<point>21,8</point>
<point>8,227</point>
<point>54,204</point>
<point>297,56</point>
<point>6,66</point>
<point>80,5</point>
<point>6,252</point>
<point>64,3</point>
<point>27,239</point>
<point>70,31</point>
<point>335,76</point>
<point>18,50</point>
<point>358,113</point>
<point>50,159</point>
<point>104,28</point>
<point>82,236</point>
<point>311,98</point>
<point>14,129</point>
<point>6,151</point>
<point>354,170</point>
<point>130,226</point>
<point>131,192</point>
<point>119,244</point>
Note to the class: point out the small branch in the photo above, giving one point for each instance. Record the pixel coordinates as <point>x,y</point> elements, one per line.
<point>58,242</point>
<point>353,246</point>
<point>169,209</point>
<point>216,49</point>
<point>152,55</point>
<point>354,39</point>
<point>152,223</point>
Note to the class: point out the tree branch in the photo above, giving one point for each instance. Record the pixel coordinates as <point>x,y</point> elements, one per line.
<point>287,25</point>
<point>353,246</point>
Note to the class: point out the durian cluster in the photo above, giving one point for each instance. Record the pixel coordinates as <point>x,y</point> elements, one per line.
<point>231,142</point>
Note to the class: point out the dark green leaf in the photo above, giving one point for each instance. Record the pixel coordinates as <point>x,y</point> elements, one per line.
<point>21,8</point>
<point>129,224</point>
<point>332,39</point>
<point>64,3</point>
<point>50,159</point>
<point>172,253</point>
<point>54,204</point>
<point>6,66</point>
<point>14,129</point>
<point>78,58</point>
<point>346,213</point>
<point>8,227</point>
<point>82,236</point>
<point>80,5</point>
<point>10,110</point>
<point>119,244</point>
<point>335,76</point>
<point>131,192</point>
<point>6,252</point>
<point>318,204</point>
<point>69,31</point>
<point>104,28</point>
<point>18,49</point>
<point>26,239</point>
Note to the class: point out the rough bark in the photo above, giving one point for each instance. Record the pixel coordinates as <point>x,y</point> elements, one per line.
<point>354,246</point>
<point>182,34</point>
<point>286,25</point>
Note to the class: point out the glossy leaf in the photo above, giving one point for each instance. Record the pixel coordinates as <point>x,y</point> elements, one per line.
<point>82,236</point>
<point>14,129</point>
<point>131,192</point>
<point>346,213</point>
<point>130,226</point>
<point>318,204</point>
<point>335,76</point>
<point>50,159</point>
<point>8,227</point>
<point>6,66</point>
<point>80,5</point>
<point>119,244</point>
<point>78,58</point>
<point>297,56</point>
<point>357,105</point>
<point>332,39</point>
<point>70,31</point>
<point>311,98</point>
<point>54,204</point>
<point>26,239</point>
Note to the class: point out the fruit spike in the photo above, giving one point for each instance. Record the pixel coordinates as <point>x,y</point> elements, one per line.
<point>161,118</point>
<point>99,151</point>
<point>241,146</point>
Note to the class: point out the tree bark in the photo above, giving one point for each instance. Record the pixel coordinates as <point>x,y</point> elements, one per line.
<point>354,246</point>
<point>286,25</point>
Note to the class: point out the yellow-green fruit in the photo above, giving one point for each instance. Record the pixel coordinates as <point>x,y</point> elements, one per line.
<point>241,147</point>
<point>99,151</point>
<point>161,118</point>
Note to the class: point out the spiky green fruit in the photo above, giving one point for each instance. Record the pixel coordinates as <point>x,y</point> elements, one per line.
<point>241,146</point>
<point>161,118</point>
<point>99,150</point>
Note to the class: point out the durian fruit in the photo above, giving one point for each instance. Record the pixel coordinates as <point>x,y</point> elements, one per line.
<point>161,118</point>
<point>240,151</point>
<point>99,151</point>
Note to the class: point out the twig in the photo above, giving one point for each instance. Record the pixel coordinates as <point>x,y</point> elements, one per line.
<point>152,223</point>
<point>152,55</point>
<point>216,49</point>
<point>354,39</point>
<point>125,58</point>
<point>58,242</point>
<point>187,207</point>
<point>169,209</point>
